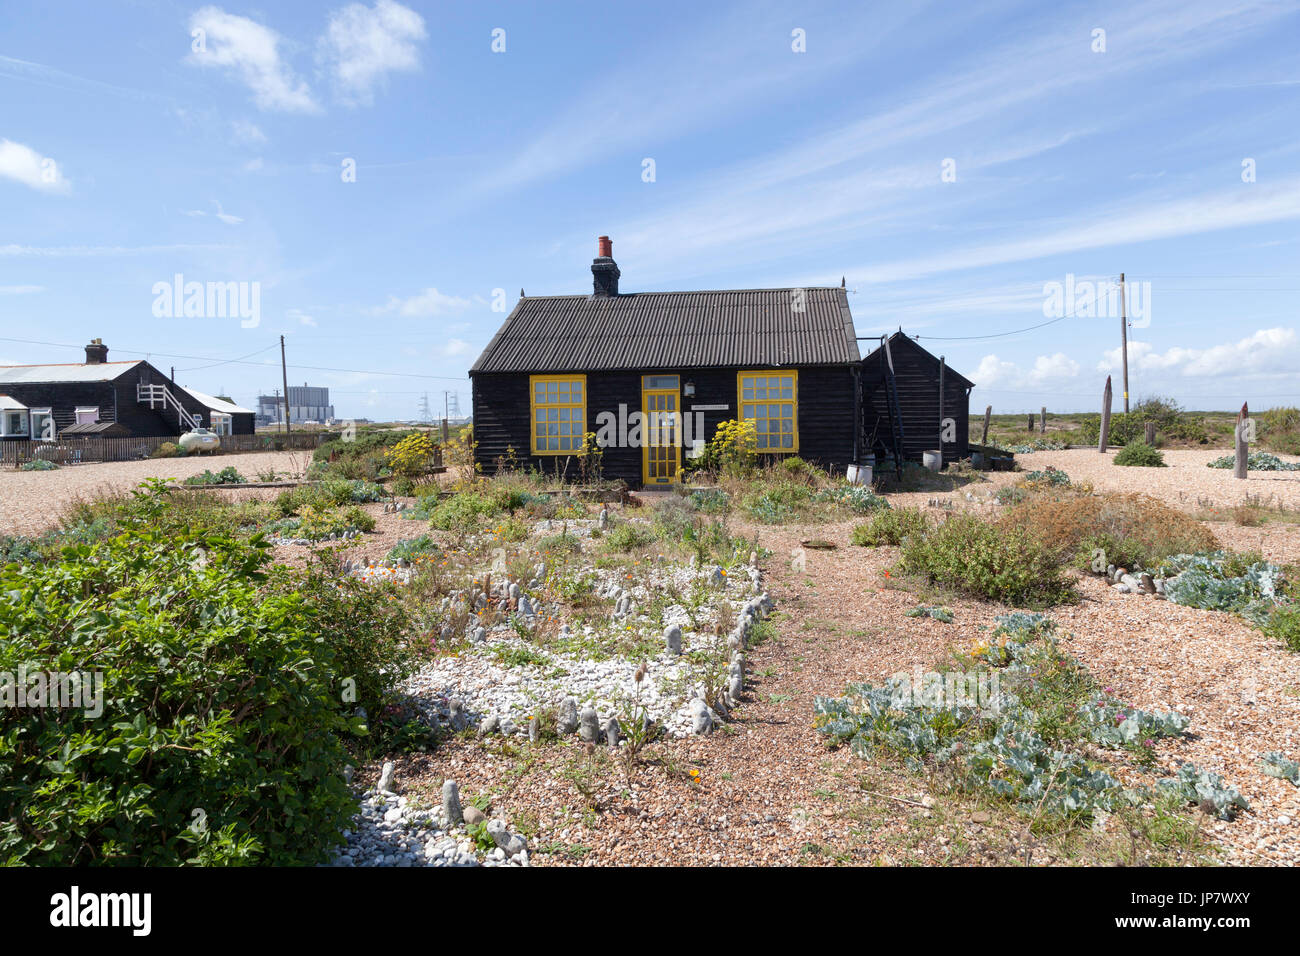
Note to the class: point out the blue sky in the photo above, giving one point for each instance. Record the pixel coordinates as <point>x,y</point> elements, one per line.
<point>952,161</point>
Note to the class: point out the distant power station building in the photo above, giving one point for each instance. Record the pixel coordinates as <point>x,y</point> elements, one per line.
<point>307,403</point>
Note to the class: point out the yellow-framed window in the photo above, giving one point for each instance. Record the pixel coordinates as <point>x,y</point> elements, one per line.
<point>771,401</point>
<point>558,412</point>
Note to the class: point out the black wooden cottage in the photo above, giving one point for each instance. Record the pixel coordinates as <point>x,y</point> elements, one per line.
<point>653,374</point>
<point>39,402</point>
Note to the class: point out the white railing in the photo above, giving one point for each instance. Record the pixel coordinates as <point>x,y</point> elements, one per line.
<point>160,395</point>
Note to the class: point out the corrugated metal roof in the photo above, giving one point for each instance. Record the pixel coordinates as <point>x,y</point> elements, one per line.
<point>69,372</point>
<point>673,330</point>
<point>218,404</point>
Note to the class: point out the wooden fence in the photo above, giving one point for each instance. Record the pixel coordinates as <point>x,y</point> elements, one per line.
<point>71,451</point>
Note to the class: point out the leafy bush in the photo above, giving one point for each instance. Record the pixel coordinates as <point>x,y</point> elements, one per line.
<point>1000,563</point>
<point>1132,530</point>
<point>1139,454</point>
<point>412,456</point>
<point>627,536</point>
<point>710,500</point>
<point>1255,461</point>
<point>226,476</point>
<point>344,491</point>
<point>222,706</point>
<point>412,549</point>
<point>1049,478</point>
<point>463,512</point>
<point>859,499</point>
<point>942,614</point>
<point>38,464</point>
<point>1029,746</point>
<point>890,526</point>
<point>1279,429</point>
<point>166,450</point>
<point>1206,789</point>
<point>1284,625</point>
<point>1221,581</point>
<point>733,448</point>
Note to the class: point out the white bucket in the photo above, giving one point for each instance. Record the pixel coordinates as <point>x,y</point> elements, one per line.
<point>932,459</point>
<point>859,474</point>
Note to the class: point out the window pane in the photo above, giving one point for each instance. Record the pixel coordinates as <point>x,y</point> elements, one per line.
<point>749,411</point>
<point>577,391</point>
<point>787,441</point>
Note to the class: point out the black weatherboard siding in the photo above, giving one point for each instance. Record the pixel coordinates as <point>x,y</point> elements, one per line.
<point>916,372</point>
<point>502,410</point>
<point>706,338</point>
<point>115,395</point>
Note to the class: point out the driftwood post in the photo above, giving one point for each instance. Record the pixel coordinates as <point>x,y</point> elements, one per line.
<point>1042,421</point>
<point>988,413</point>
<point>1151,434</point>
<point>1104,437</point>
<point>1242,448</point>
<point>1030,426</point>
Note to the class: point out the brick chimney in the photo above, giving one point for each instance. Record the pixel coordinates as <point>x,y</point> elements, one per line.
<point>96,352</point>
<point>604,270</point>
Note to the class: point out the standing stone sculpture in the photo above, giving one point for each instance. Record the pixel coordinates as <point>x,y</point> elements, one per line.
<point>451,803</point>
<point>588,726</point>
<point>567,722</point>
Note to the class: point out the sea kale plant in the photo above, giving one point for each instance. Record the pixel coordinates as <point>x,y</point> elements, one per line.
<point>1028,743</point>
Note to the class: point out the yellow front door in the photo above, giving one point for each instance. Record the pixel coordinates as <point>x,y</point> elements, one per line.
<point>661,425</point>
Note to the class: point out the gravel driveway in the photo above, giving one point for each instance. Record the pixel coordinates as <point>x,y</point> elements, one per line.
<point>33,501</point>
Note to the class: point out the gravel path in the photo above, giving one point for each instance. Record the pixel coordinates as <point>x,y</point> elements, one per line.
<point>33,501</point>
<point>1181,484</point>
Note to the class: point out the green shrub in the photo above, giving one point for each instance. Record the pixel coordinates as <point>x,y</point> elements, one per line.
<point>1284,625</point>
<point>890,526</point>
<point>166,450</point>
<point>1141,455</point>
<point>226,476</point>
<point>355,519</point>
<point>1255,461</point>
<point>463,512</point>
<point>1002,564</point>
<point>38,464</point>
<point>413,548</point>
<point>221,738</point>
<point>627,536</point>
<point>859,499</point>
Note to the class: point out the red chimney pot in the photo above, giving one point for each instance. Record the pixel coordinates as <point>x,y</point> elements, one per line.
<point>606,248</point>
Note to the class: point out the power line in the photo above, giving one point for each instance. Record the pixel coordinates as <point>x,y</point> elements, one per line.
<point>208,358</point>
<point>226,362</point>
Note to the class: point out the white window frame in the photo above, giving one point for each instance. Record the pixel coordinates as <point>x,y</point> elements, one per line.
<point>36,434</point>
<point>86,408</point>
<point>222,423</point>
<point>22,415</point>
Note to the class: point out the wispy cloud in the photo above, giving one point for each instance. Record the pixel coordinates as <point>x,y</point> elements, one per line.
<point>1224,209</point>
<point>21,289</point>
<point>426,304</point>
<point>78,252</point>
<point>24,165</point>
<point>251,51</point>
<point>362,45</point>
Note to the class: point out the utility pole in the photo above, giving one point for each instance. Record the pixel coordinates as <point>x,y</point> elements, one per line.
<point>284,372</point>
<point>1123,336</point>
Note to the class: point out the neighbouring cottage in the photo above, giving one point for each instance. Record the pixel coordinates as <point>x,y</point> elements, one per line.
<point>653,374</point>
<point>99,398</point>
